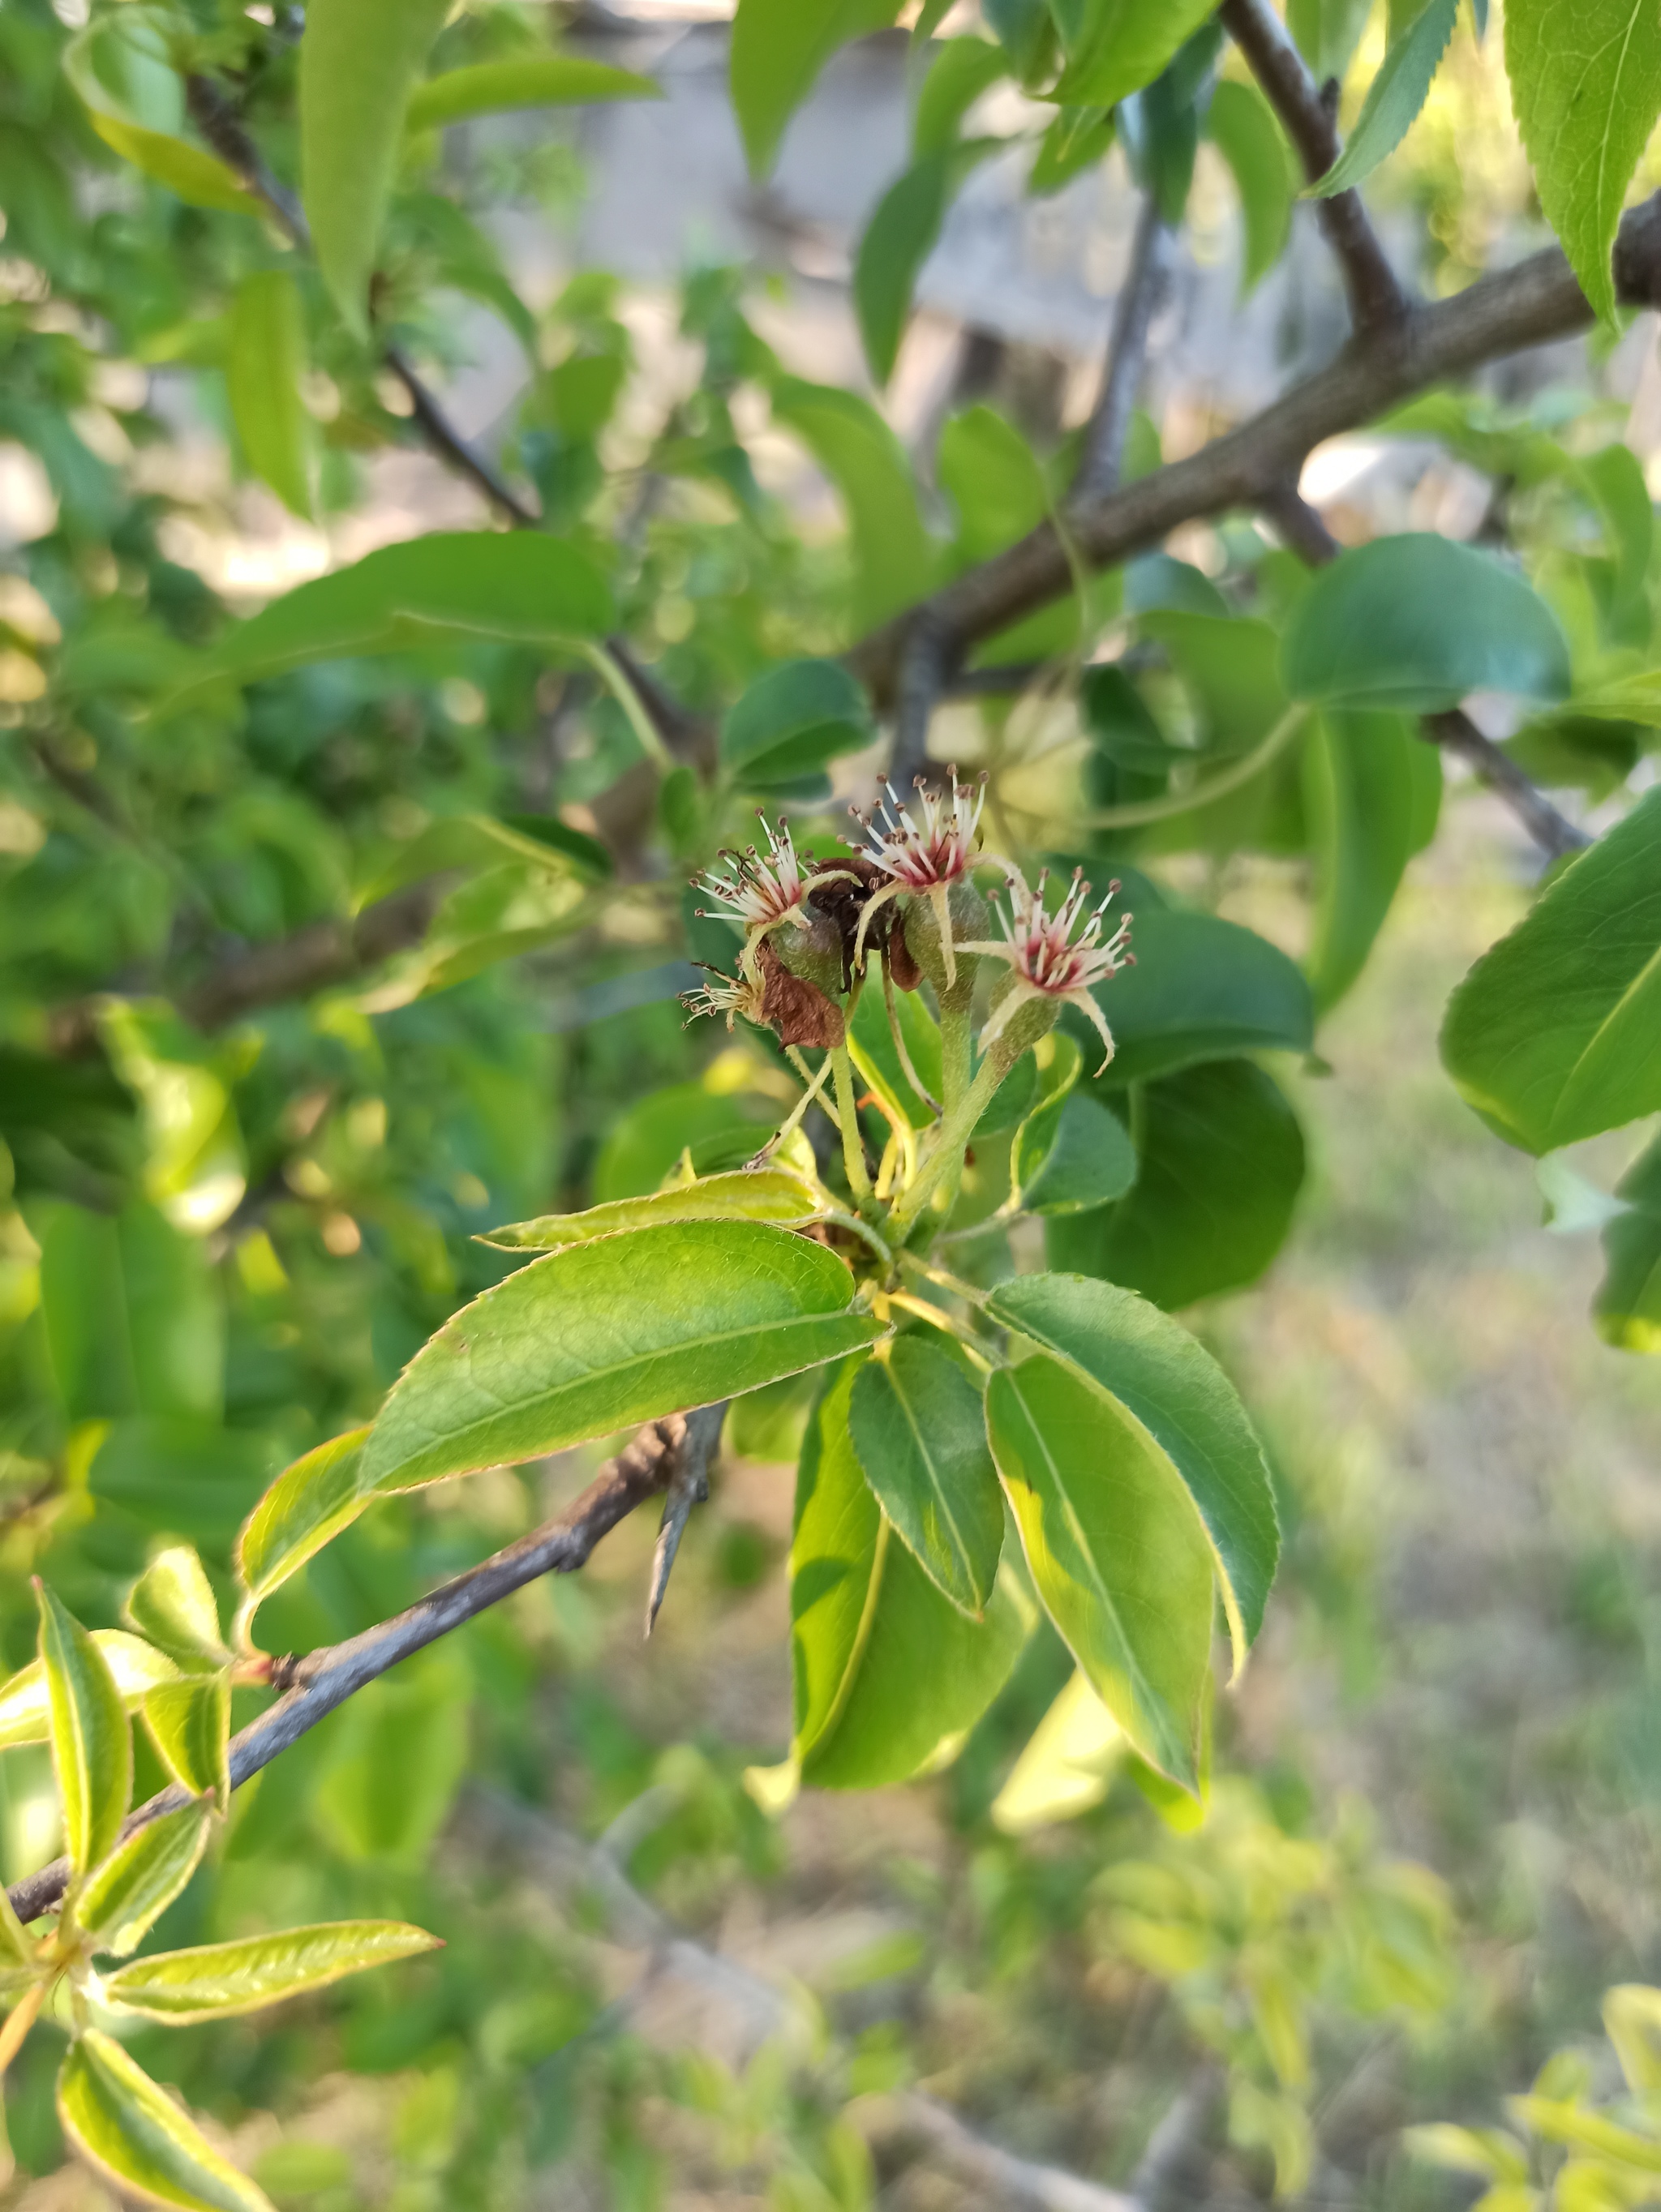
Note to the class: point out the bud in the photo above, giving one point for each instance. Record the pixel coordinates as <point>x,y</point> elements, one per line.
<point>969,918</point>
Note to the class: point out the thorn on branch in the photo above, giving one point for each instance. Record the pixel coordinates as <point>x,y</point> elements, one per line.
<point>699,1432</point>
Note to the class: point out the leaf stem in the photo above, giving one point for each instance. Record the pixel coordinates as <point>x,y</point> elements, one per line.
<point>938,1317</point>
<point>611,676</point>
<point>950,1138</point>
<point>18,2024</point>
<point>1219,786</point>
<point>852,1144</point>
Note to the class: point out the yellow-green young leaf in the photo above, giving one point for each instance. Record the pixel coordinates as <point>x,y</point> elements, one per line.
<point>91,1741</point>
<point>1068,1765</point>
<point>1555,2120</point>
<point>601,1336</point>
<point>1487,2152</point>
<point>1120,45</point>
<point>16,1948</point>
<point>127,1895</point>
<point>172,1605</point>
<point>222,1979</point>
<point>197,178</point>
<point>359,60</point>
<point>919,1433</point>
<point>550,80</point>
<point>1394,98</point>
<point>1117,1551</point>
<point>1632,2019</point>
<point>750,1195</point>
<point>306,1508</point>
<point>778,49</point>
<point>1586,82</point>
<point>137,1667</point>
<point>890,1676</point>
<point>133,2134</point>
<point>189,1725</point>
<point>267,362</point>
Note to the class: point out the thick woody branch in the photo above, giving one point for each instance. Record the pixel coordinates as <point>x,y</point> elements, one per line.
<point>1138,303</point>
<point>1529,305</point>
<point>1302,528</point>
<point>1377,301</point>
<point>313,1687</point>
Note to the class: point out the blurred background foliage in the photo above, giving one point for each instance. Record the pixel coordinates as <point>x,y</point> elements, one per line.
<point>1433,1840</point>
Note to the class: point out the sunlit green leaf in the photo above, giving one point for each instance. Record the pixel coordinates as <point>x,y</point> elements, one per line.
<point>359,60</point>
<point>218,1979</point>
<point>124,1897</point>
<point>919,1433</point>
<point>199,179</point>
<point>1119,45</point>
<point>307,1505</point>
<point>961,70</point>
<point>449,586</point>
<point>1069,1155</point>
<point>540,80</point>
<point>1371,789</point>
<point>1066,1767</point>
<point>778,49</point>
<point>1586,83</point>
<point>189,1725</point>
<point>136,1667</point>
<point>1163,1376</point>
<point>1202,989</point>
<point>792,721</point>
<point>91,1741</point>
<point>600,1336</point>
<point>1394,98</point>
<point>172,1607</point>
<point>264,374</point>
<point>1241,125</point>
<point>1117,1550</point>
<point>890,1676</point>
<point>770,1193</point>
<point>134,2135</point>
<point>902,232</point>
<point>865,461</point>
<point>1556,1033</point>
<point>1627,1307</point>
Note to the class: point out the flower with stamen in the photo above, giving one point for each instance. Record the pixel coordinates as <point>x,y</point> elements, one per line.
<point>723,994</point>
<point>925,858</point>
<point>1056,958</point>
<point>759,890</point>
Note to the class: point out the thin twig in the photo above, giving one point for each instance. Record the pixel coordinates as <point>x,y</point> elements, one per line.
<point>689,1486</point>
<point>1377,299</point>
<point>1138,302</point>
<point>922,673</point>
<point>313,1686</point>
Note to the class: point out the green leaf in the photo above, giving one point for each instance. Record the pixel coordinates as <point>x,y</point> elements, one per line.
<point>876,1056</point>
<point>306,1508</point>
<point>359,60</point>
<point>1067,1765</point>
<point>647,1142</point>
<point>1627,1307</point>
<point>890,1676</point>
<point>1586,83</point>
<point>792,721</point>
<point>136,2137</point>
<point>1556,1033</point>
<point>219,1979</point>
<point>920,1434</point>
<point>961,70</point>
<point>457,585</point>
<point>126,1897</point>
<point>134,1321</point>
<point>1414,623</point>
<point>199,179</point>
<point>1077,139</point>
<point>1231,666</point>
<point>773,1193</point>
<point>600,1336</point>
<point>1117,1551</point>
<point>902,232</point>
<point>1240,123</point>
<point>1370,782</point>
<point>1221,1162</point>
<point>1394,98</point>
<point>994,480</point>
<point>264,374</point>
<point>186,1479</point>
<point>396,1762</point>
<point>893,553</point>
<point>26,1708</point>
<point>1069,1155</point>
<point>1176,1389</point>
<point>1614,478</point>
<point>489,841</point>
<point>189,1725</point>
<point>778,49</point>
<point>1327,33</point>
<point>91,1742</point>
<point>548,81</point>
<point>1121,45</point>
<point>172,1607</point>
<point>1202,989</point>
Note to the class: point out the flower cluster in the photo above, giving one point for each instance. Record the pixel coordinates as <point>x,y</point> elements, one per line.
<point>758,889</point>
<point>924,857</point>
<point>1049,961</point>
